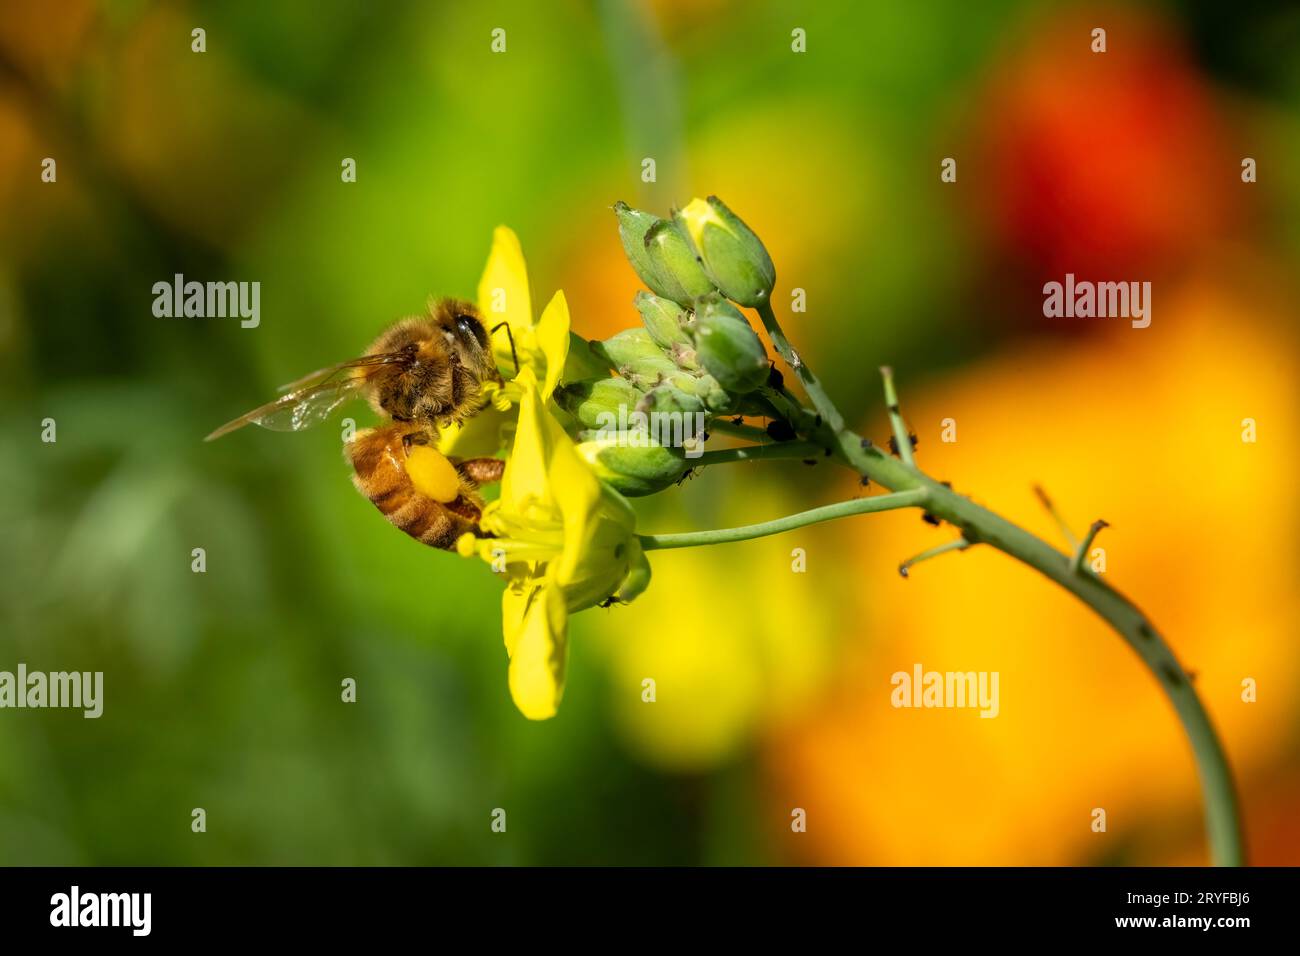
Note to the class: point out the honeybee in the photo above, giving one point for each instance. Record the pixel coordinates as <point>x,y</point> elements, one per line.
<point>423,374</point>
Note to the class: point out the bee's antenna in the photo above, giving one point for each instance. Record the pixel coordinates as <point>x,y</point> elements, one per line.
<point>510,336</point>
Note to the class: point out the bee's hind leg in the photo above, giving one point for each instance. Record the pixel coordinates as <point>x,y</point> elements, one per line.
<point>475,472</point>
<point>481,471</point>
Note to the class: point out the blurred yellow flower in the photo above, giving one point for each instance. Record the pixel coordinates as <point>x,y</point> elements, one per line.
<point>751,639</point>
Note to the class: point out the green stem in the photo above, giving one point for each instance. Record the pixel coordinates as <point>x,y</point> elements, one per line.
<point>770,451</point>
<point>821,400</point>
<point>1081,551</point>
<point>961,544</point>
<point>902,437</point>
<point>980,526</point>
<point>842,509</point>
<point>727,427</point>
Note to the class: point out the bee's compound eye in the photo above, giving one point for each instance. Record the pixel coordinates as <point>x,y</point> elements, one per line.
<point>472,328</point>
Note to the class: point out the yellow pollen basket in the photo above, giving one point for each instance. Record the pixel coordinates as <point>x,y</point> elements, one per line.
<point>432,474</point>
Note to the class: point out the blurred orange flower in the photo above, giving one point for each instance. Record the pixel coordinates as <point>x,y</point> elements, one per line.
<point>1144,430</point>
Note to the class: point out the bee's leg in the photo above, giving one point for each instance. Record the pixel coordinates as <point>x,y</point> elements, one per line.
<point>482,471</point>
<point>475,472</point>
<point>424,433</point>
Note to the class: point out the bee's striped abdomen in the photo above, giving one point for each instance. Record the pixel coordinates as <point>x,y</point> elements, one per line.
<point>378,462</point>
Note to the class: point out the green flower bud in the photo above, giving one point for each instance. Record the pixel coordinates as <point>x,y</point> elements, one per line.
<point>728,348</point>
<point>636,357</point>
<point>732,255</point>
<point>676,264</point>
<point>631,348</point>
<point>638,574</point>
<point>684,357</point>
<point>704,387</point>
<point>667,399</point>
<point>661,255</point>
<point>663,320</point>
<point>717,399</point>
<point>582,362</point>
<point>688,382</point>
<point>633,465</point>
<point>589,400</point>
<point>633,224</point>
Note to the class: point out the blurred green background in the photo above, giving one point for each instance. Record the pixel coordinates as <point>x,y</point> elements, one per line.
<point>223,688</point>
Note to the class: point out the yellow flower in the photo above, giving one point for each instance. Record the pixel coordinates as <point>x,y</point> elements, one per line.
<point>563,539</point>
<point>541,347</point>
<point>565,542</point>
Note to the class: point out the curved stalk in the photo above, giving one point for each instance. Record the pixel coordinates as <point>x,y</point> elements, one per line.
<point>981,526</point>
<point>841,509</point>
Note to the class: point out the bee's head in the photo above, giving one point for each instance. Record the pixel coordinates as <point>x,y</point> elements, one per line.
<point>462,327</point>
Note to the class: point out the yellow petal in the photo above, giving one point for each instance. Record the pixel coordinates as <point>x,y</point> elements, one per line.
<point>599,532</point>
<point>503,295</point>
<point>536,626</point>
<point>577,492</point>
<point>526,484</point>
<point>695,215</point>
<point>552,338</point>
<point>515,602</point>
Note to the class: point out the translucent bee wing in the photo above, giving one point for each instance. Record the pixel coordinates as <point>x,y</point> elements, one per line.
<point>298,410</point>
<point>314,396</point>
<point>365,361</point>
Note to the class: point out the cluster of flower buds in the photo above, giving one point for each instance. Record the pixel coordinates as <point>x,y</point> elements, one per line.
<point>704,248</point>
<point>625,423</point>
<point>696,355</point>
